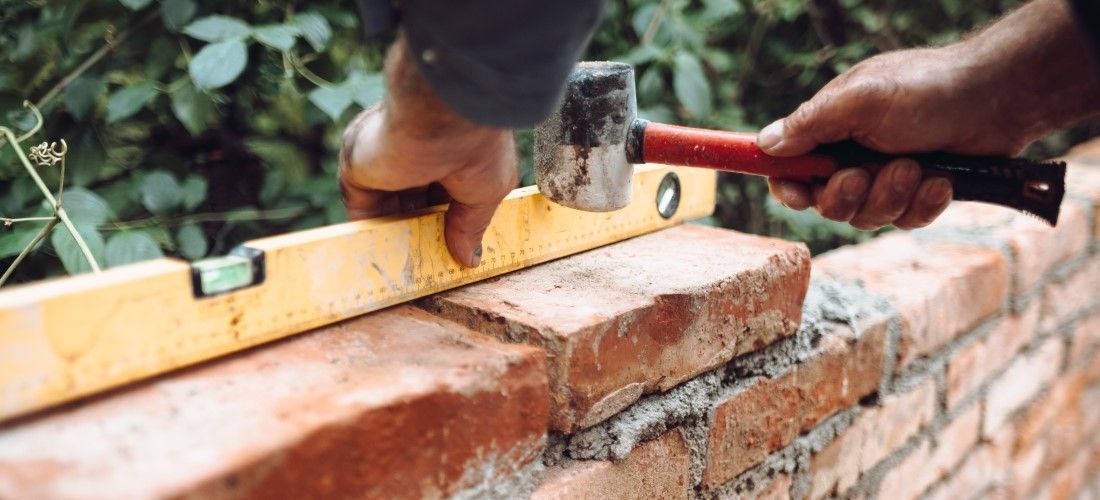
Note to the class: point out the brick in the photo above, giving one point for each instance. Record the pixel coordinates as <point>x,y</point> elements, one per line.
<point>939,289</point>
<point>927,464</point>
<point>1021,382</point>
<point>393,404</point>
<point>1086,339</point>
<point>876,433</point>
<point>1036,248</point>
<point>641,315</point>
<point>1083,181</point>
<point>1069,482</point>
<point>778,489</point>
<point>1070,297</point>
<point>981,469</point>
<point>974,364</point>
<point>770,412</point>
<point>656,469</point>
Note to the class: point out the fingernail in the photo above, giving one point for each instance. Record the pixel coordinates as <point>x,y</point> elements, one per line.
<point>905,178</point>
<point>771,136</point>
<point>853,187</point>
<point>476,261</point>
<point>939,192</point>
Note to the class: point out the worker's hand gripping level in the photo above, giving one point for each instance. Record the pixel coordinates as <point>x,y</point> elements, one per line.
<point>585,152</point>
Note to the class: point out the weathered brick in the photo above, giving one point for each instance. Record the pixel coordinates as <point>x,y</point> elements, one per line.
<point>1086,340</point>
<point>778,489</point>
<point>769,413</point>
<point>1070,297</point>
<point>974,364</point>
<point>939,289</point>
<point>655,469</point>
<point>876,433</point>
<point>1083,181</point>
<point>1069,482</point>
<point>395,404</point>
<point>1021,382</point>
<point>641,315</point>
<point>1036,247</point>
<point>983,468</point>
<point>927,464</point>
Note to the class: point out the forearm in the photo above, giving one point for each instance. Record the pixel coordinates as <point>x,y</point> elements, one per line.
<point>1035,68</point>
<point>416,113</point>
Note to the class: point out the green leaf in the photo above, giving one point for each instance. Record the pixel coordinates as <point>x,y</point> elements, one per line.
<point>13,242</point>
<point>81,95</point>
<point>194,109</point>
<point>85,206</point>
<point>365,89</point>
<point>332,100</point>
<point>136,4</point>
<point>67,250</point>
<point>193,191</point>
<point>160,192</point>
<point>277,36</point>
<point>86,158</point>
<point>176,13</point>
<point>315,29</point>
<point>690,85</point>
<point>192,242</point>
<point>128,247</point>
<point>281,155</point>
<point>218,64</point>
<point>128,101</point>
<point>217,28</point>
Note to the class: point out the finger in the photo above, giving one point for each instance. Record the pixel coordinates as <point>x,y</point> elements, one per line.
<point>838,112</point>
<point>843,194</point>
<point>369,203</point>
<point>475,194</point>
<point>791,194</point>
<point>891,193</point>
<point>931,200</point>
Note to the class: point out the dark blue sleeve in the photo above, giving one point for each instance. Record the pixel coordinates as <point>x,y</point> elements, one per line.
<point>1088,19</point>
<point>500,63</point>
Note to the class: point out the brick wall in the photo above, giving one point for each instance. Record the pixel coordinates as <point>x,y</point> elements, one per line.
<point>957,361</point>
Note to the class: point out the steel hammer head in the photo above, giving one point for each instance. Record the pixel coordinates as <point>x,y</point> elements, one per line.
<point>580,151</point>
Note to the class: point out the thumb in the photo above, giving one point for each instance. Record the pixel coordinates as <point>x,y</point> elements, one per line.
<point>834,114</point>
<point>465,227</point>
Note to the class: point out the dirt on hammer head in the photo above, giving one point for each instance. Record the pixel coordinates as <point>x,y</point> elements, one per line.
<point>580,155</point>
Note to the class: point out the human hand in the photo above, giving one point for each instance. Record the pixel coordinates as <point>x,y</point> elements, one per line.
<point>991,94</point>
<point>393,152</point>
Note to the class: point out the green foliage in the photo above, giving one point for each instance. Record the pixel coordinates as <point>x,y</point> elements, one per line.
<point>194,125</point>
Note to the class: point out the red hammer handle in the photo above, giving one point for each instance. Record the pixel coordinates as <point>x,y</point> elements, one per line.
<point>732,151</point>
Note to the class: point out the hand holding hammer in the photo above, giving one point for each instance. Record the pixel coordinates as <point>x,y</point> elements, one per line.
<point>585,153</point>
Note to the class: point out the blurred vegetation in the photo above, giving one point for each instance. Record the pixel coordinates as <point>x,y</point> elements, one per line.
<point>194,125</point>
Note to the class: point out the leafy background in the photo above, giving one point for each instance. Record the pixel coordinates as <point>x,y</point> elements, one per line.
<point>196,125</point>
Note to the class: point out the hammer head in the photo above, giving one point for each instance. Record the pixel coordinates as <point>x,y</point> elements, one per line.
<point>580,151</point>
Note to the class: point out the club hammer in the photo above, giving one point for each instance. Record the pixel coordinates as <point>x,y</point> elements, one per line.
<point>585,151</point>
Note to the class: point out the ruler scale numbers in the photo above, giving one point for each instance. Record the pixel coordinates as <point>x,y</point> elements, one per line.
<point>76,336</point>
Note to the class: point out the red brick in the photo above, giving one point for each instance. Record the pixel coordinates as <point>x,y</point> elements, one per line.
<point>1079,291</point>
<point>973,365</point>
<point>981,469</point>
<point>940,289</point>
<point>1036,247</point>
<point>770,413</point>
<point>875,434</point>
<point>394,404</point>
<point>641,315</point>
<point>778,489</point>
<point>655,469</point>
<point>1086,340</point>
<point>1069,482</point>
<point>1083,180</point>
<point>927,464</point>
<point>1021,382</point>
